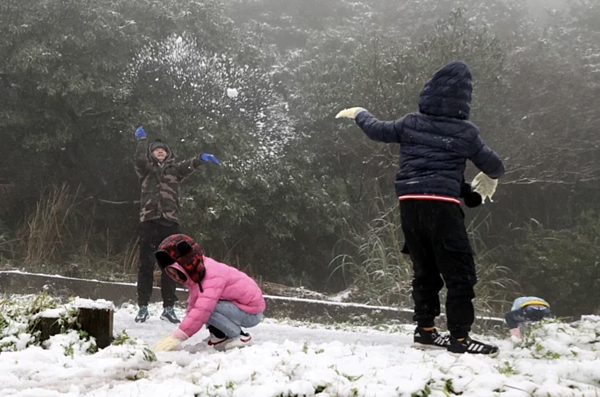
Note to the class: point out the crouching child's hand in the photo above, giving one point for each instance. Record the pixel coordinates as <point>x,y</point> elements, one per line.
<point>170,342</point>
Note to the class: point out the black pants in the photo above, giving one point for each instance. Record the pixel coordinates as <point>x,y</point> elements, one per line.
<point>437,241</point>
<point>531,313</point>
<point>151,235</point>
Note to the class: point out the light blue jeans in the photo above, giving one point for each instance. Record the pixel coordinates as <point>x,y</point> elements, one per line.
<point>229,319</point>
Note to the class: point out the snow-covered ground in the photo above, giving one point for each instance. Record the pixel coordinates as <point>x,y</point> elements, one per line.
<point>305,359</point>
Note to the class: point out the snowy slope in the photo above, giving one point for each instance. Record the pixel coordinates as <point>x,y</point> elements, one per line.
<point>288,360</point>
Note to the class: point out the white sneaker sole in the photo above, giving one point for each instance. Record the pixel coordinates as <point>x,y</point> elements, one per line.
<point>421,346</point>
<point>493,355</point>
<point>216,344</point>
<point>233,344</point>
<point>167,319</point>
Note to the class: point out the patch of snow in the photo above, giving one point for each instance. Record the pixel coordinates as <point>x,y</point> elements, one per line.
<point>347,304</point>
<point>592,318</point>
<point>20,341</point>
<point>99,304</point>
<point>557,359</point>
<point>53,313</point>
<point>69,343</point>
<point>341,296</point>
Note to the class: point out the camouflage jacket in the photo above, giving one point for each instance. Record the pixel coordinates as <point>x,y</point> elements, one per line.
<point>160,182</point>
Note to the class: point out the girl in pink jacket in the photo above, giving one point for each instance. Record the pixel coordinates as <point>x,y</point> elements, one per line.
<point>222,297</point>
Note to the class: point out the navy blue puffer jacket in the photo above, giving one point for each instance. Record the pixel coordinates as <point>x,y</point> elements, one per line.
<point>436,142</point>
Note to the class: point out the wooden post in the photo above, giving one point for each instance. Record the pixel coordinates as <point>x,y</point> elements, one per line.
<point>48,326</point>
<point>97,323</point>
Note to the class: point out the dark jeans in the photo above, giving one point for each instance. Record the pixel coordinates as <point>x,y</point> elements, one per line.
<point>528,313</point>
<point>151,235</point>
<point>437,241</point>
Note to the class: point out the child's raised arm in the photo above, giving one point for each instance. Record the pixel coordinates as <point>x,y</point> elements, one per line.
<point>380,131</point>
<point>186,167</point>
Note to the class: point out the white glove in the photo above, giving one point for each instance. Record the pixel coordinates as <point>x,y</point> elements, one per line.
<point>167,343</point>
<point>485,186</point>
<point>350,113</point>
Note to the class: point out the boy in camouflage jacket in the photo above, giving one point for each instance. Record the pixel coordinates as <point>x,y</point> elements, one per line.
<point>160,177</point>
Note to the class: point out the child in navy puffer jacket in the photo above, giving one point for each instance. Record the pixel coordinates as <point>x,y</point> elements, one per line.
<point>435,144</point>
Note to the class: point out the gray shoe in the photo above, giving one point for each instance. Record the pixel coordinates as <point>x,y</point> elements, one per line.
<point>169,315</point>
<point>142,314</point>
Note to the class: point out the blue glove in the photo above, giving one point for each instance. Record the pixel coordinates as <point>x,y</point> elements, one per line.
<point>140,133</point>
<point>209,157</point>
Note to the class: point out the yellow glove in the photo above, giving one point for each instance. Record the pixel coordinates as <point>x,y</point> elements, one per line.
<point>349,113</point>
<point>485,186</point>
<point>167,343</point>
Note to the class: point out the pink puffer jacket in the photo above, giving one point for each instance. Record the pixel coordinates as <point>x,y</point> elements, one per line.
<point>221,282</point>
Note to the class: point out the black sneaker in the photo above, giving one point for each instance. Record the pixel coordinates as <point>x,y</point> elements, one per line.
<point>430,339</point>
<point>169,315</point>
<point>472,346</point>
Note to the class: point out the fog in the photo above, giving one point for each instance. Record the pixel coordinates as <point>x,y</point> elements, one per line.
<point>299,198</point>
